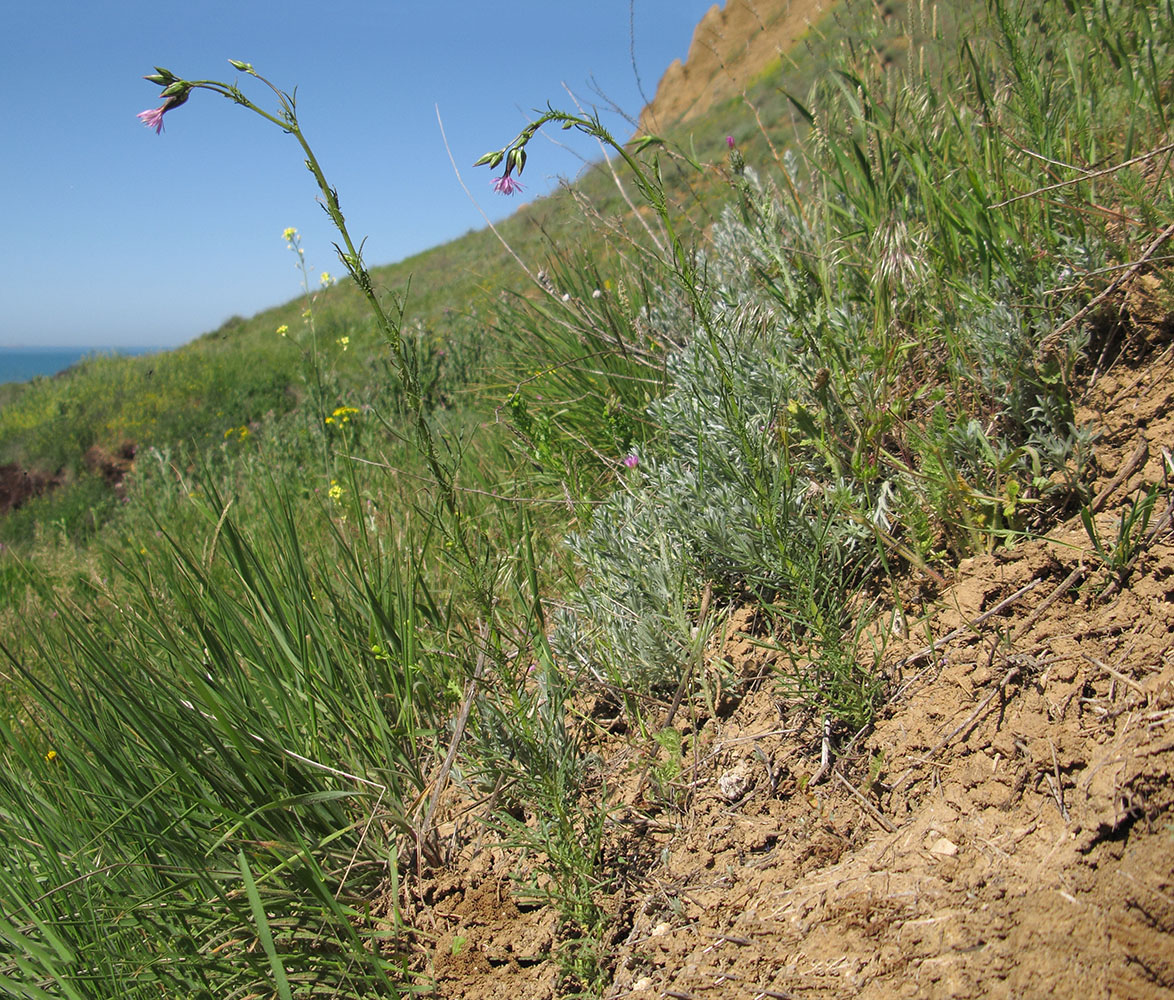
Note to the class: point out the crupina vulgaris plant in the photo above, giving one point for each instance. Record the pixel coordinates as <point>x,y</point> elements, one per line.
<point>560,833</point>
<point>176,92</point>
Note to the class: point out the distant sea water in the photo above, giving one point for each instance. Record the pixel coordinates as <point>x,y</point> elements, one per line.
<point>19,364</point>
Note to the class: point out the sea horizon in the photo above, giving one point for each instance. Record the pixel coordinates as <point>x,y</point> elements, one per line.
<point>22,364</point>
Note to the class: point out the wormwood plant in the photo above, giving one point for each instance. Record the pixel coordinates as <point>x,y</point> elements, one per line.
<point>876,353</point>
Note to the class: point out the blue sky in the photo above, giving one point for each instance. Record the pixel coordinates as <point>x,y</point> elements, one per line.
<point>113,236</point>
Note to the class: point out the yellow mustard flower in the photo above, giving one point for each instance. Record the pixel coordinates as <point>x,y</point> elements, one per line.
<point>342,415</point>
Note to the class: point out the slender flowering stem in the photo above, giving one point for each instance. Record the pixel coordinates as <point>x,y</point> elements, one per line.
<point>176,92</point>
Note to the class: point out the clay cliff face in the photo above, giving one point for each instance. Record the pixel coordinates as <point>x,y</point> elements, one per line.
<point>730,47</point>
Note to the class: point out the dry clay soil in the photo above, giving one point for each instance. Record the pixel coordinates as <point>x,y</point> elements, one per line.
<point>1004,830</point>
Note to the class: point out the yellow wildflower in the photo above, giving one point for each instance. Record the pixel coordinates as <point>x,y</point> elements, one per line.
<point>289,234</point>
<point>342,415</point>
<point>282,330</point>
<point>51,755</point>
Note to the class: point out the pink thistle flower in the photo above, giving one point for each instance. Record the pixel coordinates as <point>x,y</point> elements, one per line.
<point>153,117</point>
<point>506,185</point>
<point>630,461</point>
<point>729,142</point>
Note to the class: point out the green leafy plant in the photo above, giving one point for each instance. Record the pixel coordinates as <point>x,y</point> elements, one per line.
<point>1120,554</point>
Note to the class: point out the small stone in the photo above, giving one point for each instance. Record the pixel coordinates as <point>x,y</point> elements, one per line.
<point>735,783</point>
<point>944,847</point>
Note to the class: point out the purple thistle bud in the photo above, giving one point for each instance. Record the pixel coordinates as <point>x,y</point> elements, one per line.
<point>729,142</point>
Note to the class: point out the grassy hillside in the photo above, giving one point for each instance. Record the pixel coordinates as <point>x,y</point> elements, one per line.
<point>378,584</point>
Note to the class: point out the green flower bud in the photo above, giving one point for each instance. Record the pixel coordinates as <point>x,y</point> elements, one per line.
<point>244,67</point>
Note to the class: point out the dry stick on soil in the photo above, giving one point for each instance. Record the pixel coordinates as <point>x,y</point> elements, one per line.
<point>1135,461</point>
<point>424,831</point>
<point>1011,675</point>
<point>1128,681</point>
<point>1048,344</point>
<point>825,753</point>
<point>868,807</point>
<point>1058,787</point>
<point>969,627</point>
<point>1065,585</point>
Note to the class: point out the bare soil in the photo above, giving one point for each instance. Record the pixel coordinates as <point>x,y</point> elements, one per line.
<point>732,45</point>
<point>18,486</point>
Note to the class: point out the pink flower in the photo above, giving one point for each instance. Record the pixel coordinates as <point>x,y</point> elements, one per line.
<point>153,117</point>
<point>630,461</point>
<point>729,141</point>
<point>506,185</point>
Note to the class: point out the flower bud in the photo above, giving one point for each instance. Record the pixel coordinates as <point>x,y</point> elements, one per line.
<point>244,67</point>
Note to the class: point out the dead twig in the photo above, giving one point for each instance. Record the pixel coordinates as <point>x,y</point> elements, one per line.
<point>1135,461</point>
<point>1065,585</point>
<point>1085,176</point>
<point>825,756</point>
<point>868,807</point>
<point>425,834</point>
<point>1127,681</point>
<point>1058,787</point>
<point>970,626</point>
<point>1048,344</point>
<point>966,726</point>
